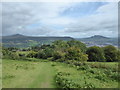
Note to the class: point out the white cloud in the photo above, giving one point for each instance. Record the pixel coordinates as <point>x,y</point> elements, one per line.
<point>17,16</point>
<point>104,22</point>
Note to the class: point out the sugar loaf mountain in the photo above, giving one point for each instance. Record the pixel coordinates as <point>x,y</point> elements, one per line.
<point>21,41</point>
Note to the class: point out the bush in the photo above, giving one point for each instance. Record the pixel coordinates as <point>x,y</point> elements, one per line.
<point>41,54</point>
<point>9,54</point>
<point>45,53</point>
<point>111,53</point>
<point>67,83</point>
<point>95,53</point>
<point>32,54</point>
<point>58,55</point>
<point>77,44</point>
<point>74,53</point>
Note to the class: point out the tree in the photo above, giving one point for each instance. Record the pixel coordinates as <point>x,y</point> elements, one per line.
<point>45,53</point>
<point>32,54</point>
<point>111,53</point>
<point>59,55</point>
<point>76,54</point>
<point>118,55</point>
<point>60,44</point>
<point>78,44</point>
<point>48,52</point>
<point>40,54</point>
<point>95,53</point>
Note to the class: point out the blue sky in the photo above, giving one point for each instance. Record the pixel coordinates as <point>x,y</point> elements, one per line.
<point>77,19</point>
<point>82,9</point>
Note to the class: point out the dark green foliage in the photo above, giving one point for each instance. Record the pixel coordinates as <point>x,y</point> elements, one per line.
<point>10,54</point>
<point>45,53</point>
<point>78,44</point>
<point>113,75</point>
<point>66,83</point>
<point>66,51</point>
<point>45,46</point>
<point>60,46</point>
<point>12,49</point>
<point>58,55</point>
<point>32,54</point>
<point>70,50</point>
<point>95,53</point>
<point>111,53</point>
<point>62,50</point>
<point>40,54</point>
<point>8,76</point>
<point>48,52</point>
<point>74,53</point>
<point>36,48</point>
<point>118,55</point>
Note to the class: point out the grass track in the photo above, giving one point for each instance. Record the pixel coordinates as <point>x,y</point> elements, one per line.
<point>25,74</point>
<point>29,74</point>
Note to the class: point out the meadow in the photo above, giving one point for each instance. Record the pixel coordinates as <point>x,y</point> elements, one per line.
<point>62,64</point>
<point>26,74</point>
<point>46,74</point>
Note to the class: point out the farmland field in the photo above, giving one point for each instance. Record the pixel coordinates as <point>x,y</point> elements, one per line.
<point>29,74</point>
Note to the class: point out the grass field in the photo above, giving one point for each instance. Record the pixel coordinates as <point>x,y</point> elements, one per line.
<point>25,74</point>
<point>0,73</point>
<point>29,74</point>
<point>84,77</point>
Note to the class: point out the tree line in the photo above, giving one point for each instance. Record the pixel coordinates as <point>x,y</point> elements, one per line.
<point>64,51</point>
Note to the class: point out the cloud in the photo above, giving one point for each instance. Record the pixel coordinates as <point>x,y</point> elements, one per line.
<point>60,19</point>
<point>16,15</point>
<point>104,22</point>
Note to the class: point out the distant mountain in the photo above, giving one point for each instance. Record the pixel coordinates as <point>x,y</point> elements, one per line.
<point>98,37</point>
<point>21,41</point>
<point>16,35</point>
<point>99,40</point>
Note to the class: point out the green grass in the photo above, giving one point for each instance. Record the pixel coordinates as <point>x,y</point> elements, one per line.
<point>84,77</point>
<point>45,74</point>
<point>25,74</point>
<point>23,52</point>
<point>104,65</point>
<point>0,73</point>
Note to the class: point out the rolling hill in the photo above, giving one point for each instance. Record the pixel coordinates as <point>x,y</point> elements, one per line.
<point>22,41</point>
<point>99,41</point>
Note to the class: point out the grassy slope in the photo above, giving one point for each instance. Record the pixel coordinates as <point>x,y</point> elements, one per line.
<point>0,73</point>
<point>25,74</point>
<point>84,76</point>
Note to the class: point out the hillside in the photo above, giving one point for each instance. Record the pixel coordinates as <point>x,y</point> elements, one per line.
<point>18,40</point>
<point>99,41</point>
<point>22,41</point>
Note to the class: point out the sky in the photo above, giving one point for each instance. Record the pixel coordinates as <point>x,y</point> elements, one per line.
<point>74,19</point>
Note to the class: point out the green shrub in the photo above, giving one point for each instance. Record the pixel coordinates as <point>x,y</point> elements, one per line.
<point>74,53</point>
<point>95,53</point>
<point>58,55</point>
<point>111,53</point>
<point>45,53</point>
<point>77,44</point>
<point>32,54</point>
